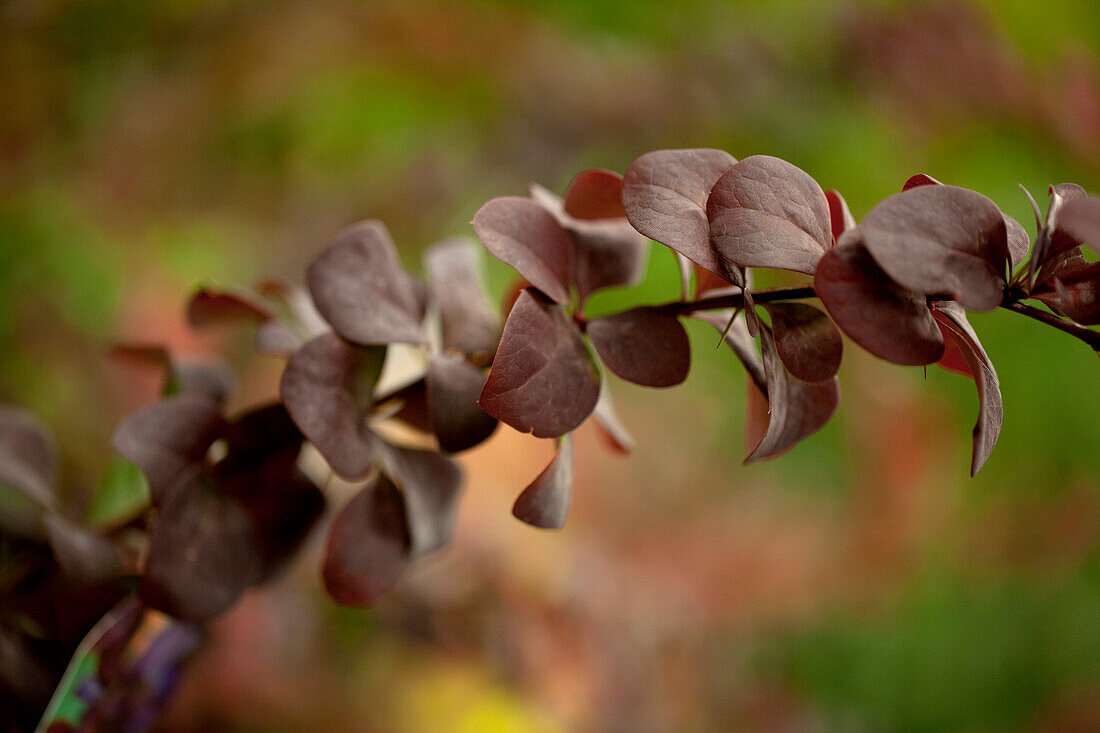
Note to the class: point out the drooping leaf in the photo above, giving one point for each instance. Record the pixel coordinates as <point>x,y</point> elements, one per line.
<point>28,455</point>
<point>990,411</point>
<point>736,335</point>
<point>202,552</point>
<point>545,502</point>
<point>1075,293</point>
<point>167,438</point>
<point>360,288</point>
<point>765,212</point>
<point>797,409</point>
<point>523,234</point>
<point>209,306</point>
<point>1080,218</point>
<point>941,240</point>
<point>453,388</point>
<point>543,380</point>
<point>840,216</point>
<point>84,556</point>
<point>432,485</point>
<point>368,546</point>
<point>470,323</point>
<point>878,314</point>
<point>595,194</point>
<point>665,196</point>
<point>327,388</point>
<point>609,427</point>
<point>644,345</point>
<point>121,494</point>
<point>807,341</point>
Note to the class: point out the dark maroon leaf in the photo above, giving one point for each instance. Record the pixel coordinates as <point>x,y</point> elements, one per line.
<point>765,212</point>
<point>327,388</point>
<point>645,345</point>
<point>1080,218</point>
<point>359,287</point>
<point>807,341</point>
<point>941,240</point>
<point>209,306</point>
<point>28,455</point>
<point>202,552</point>
<point>169,437</point>
<point>797,409</point>
<point>470,323</point>
<point>1075,294</point>
<point>368,545</point>
<point>545,502</point>
<point>543,380</point>
<point>263,439</point>
<point>840,216</point>
<point>665,197</point>
<point>523,234</point>
<point>878,314</point>
<point>736,335</point>
<point>453,388</point>
<point>276,338</point>
<point>414,407</point>
<point>595,194</point>
<point>608,426</point>
<point>990,412</point>
<point>432,485</point>
<point>84,556</point>
<point>920,179</point>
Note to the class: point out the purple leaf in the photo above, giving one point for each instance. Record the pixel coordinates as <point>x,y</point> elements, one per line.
<point>878,314</point>
<point>645,345</point>
<point>840,216</point>
<point>608,426</point>
<point>368,545</point>
<point>990,412</point>
<point>797,409</point>
<point>168,437</point>
<point>209,307</point>
<point>453,388</point>
<point>807,341</point>
<point>28,455</point>
<point>276,338</point>
<point>212,381</point>
<point>941,240</point>
<point>202,552</point>
<point>765,212</point>
<point>1075,293</point>
<point>1080,218</point>
<point>327,388</point>
<point>545,502</point>
<point>595,194</point>
<point>543,380</point>
<point>84,556</point>
<point>432,485</point>
<point>665,197</point>
<point>360,288</point>
<point>470,323</point>
<point>523,234</point>
<point>736,336</point>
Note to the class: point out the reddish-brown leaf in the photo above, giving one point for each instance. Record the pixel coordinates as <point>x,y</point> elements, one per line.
<point>543,380</point>
<point>453,388</point>
<point>765,212</point>
<point>595,194</point>
<point>878,314</point>
<point>545,502</point>
<point>209,306</point>
<point>1075,293</point>
<point>523,234</point>
<point>840,216</point>
<point>470,323</point>
<point>327,388</point>
<point>941,240</point>
<point>360,288</point>
<point>644,345</point>
<point>368,546</point>
<point>1080,218</point>
<point>990,412</point>
<point>432,485</point>
<point>665,196</point>
<point>808,343</point>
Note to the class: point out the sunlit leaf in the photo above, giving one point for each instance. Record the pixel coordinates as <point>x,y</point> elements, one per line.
<point>808,343</point>
<point>543,380</point>
<point>523,234</point>
<point>644,345</point>
<point>545,502</point>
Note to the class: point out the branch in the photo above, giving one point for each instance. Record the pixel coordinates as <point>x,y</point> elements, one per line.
<point>1090,337</point>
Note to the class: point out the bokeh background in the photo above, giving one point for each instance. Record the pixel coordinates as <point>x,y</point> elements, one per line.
<point>861,582</point>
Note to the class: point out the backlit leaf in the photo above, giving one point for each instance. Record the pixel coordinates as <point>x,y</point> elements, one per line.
<point>840,216</point>
<point>644,345</point>
<point>595,194</point>
<point>523,234</point>
<point>765,212</point>
<point>543,380</point>
<point>545,502</point>
<point>807,341</point>
<point>453,388</point>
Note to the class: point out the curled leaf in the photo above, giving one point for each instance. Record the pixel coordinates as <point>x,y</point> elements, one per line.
<point>765,212</point>
<point>545,502</point>
<point>840,216</point>
<point>878,314</point>
<point>807,341</point>
<point>644,345</point>
<point>543,380</point>
<point>990,412</point>
<point>453,388</point>
<point>523,234</point>
<point>595,194</point>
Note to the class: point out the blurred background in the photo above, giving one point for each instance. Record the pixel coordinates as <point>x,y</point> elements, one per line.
<point>861,582</point>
